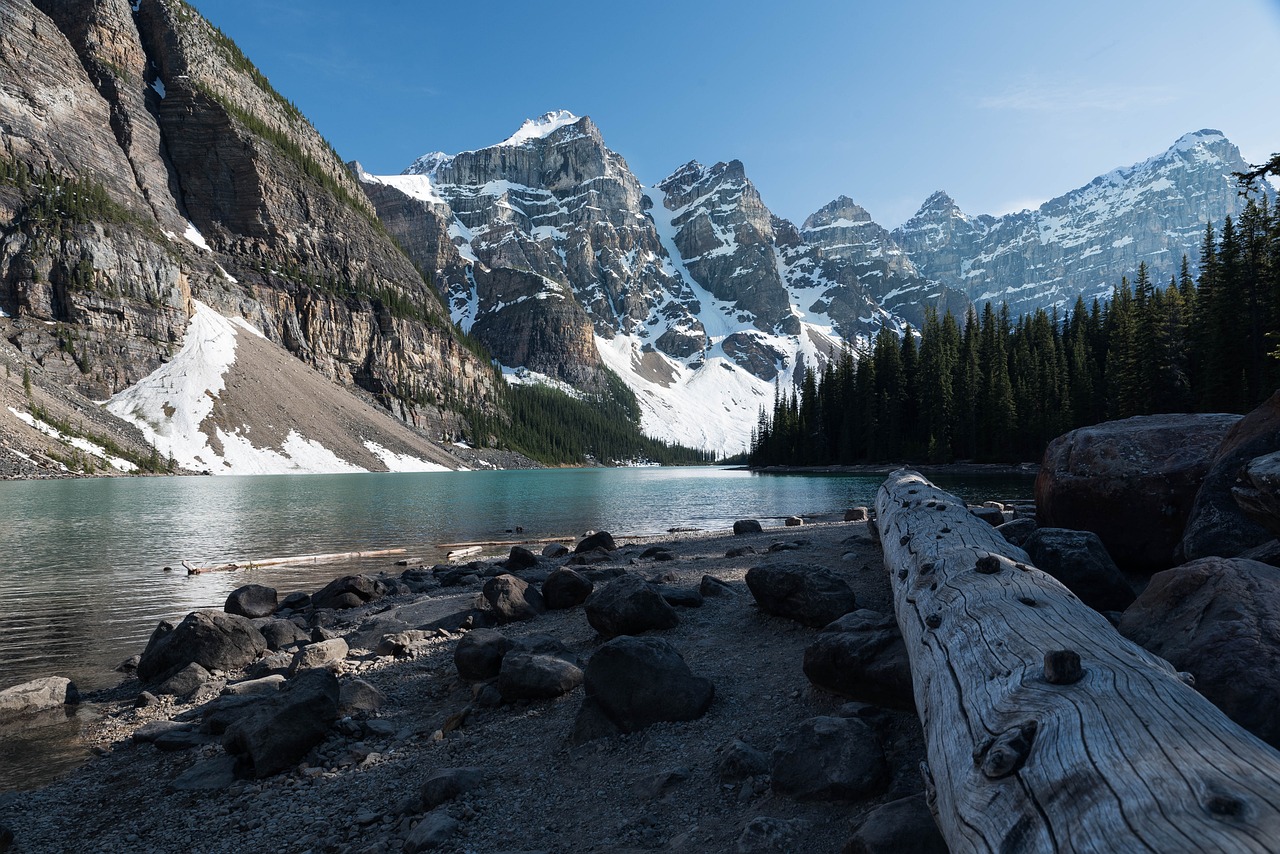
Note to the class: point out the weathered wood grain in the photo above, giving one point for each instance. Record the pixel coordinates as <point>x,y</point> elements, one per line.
<point>1122,756</point>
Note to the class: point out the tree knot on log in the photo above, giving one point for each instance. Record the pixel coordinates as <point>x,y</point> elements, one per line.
<point>988,565</point>
<point>904,539</point>
<point>1007,753</point>
<point>927,567</point>
<point>1062,667</point>
<point>933,621</point>
<point>902,574</point>
<point>1224,805</point>
<point>1027,600</point>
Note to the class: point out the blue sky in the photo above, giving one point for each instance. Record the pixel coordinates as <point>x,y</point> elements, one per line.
<point>1002,104</point>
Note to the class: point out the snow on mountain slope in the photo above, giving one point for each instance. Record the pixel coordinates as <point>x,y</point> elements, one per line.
<point>230,402</point>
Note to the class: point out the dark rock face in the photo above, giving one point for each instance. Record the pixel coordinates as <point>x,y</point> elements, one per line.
<point>628,606</point>
<point>826,759</point>
<point>747,526</point>
<point>1217,525</point>
<point>513,599</point>
<point>566,588</point>
<point>478,656</point>
<point>634,682</point>
<point>213,639</point>
<point>536,676</point>
<point>283,727</point>
<point>810,595</point>
<point>350,591</point>
<point>1079,560</point>
<point>905,826</point>
<point>1258,492</point>
<point>1016,531</point>
<point>252,600</point>
<point>1219,620</point>
<point>1131,482</point>
<point>861,656</point>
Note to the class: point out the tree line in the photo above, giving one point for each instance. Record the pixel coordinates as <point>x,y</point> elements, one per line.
<point>994,389</point>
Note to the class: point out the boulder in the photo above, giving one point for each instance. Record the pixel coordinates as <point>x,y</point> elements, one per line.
<point>207,775</point>
<point>565,588</point>
<point>404,644</point>
<point>740,551</point>
<point>862,656</point>
<point>252,600</point>
<point>320,654</point>
<point>478,656</point>
<point>280,729</point>
<point>536,676</point>
<point>746,526</point>
<point>1016,531</point>
<point>1217,526</point>
<point>447,783</point>
<point>350,591</point>
<point>990,515</point>
<point>521,558</point>
<point>905,826</point>
<point>185,681</point>
<point>793,522</point>
<point>251,687</point>
<point>740,761</point>
<point>554,550</point>
<point>1079,560</point>
<point>829,758</point>
<point>38,695</point>
<point>598,540</point>
<point>434,830</point>
<point>768,835</point>
<point>1219,620</point>
<point>295,602</point>
<point>633,682</point>
<point>590,558</point>
<point>1258,492</point>
<point>513,599</point>
<point>628,606</point>
<point>680,597</point>
<point>283,634</point>
<point>213,639</point>
<point>712,586</point>
<point>358,697</point>
<point>1131,482</point>
<point>857,514</point>
<point>811,595</point>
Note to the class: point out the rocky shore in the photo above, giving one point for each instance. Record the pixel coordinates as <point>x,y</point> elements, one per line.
<point>427,750</point>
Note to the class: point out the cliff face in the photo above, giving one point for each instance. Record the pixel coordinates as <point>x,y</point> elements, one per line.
<point>206,184</point>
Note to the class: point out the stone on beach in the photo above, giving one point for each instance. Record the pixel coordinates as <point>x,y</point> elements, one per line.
<point>812,595</point>
<point>512,599</point>
<point>1080,561</point>
<point>213,639</point>
<point>628,606</point>
<point>598,540</point>
<point>829,758</point>
<point>862,656</point>
<point>38,695</point>
<point>747,526</point>
<point>565,588</point>
<point>251,600</point>
<point>281,728</point>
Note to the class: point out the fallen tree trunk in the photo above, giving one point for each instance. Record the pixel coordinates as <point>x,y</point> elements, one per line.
<point>1031,748</point>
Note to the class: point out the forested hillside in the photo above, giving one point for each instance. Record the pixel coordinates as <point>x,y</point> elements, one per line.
<point>992,388</point>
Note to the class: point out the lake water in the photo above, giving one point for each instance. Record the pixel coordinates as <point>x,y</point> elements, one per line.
<point>82,583</point>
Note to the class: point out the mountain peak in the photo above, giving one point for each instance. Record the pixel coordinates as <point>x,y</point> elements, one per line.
<point>939,203</point>
<point>1205,136</point>
<point>841,210</point>
<point>541,127</point>
<point>428,163</point>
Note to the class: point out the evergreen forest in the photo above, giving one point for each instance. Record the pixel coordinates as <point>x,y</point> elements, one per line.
<point>990,388</point>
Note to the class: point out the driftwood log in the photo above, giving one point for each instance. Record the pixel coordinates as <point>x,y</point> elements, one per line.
<point>1045,729</point>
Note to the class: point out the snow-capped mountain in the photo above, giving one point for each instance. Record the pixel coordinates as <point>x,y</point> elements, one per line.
<point>1083,241</point>
<point>562,262</point>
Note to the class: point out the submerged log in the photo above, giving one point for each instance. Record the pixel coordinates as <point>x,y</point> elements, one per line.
<point>1045,729</point>
<point>286,561</point>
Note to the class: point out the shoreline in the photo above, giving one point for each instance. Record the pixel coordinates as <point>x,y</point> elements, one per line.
<point>883,469</point>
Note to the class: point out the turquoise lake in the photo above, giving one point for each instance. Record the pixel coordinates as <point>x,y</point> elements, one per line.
<point>82,580</point>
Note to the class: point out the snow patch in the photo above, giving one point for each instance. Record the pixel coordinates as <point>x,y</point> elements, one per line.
<point>80,444</point>
<point>541,127</point>
<point>193,235</point>
<point>401,462</point>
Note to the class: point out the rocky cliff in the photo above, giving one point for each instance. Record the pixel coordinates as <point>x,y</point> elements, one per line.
<point>147,165</point>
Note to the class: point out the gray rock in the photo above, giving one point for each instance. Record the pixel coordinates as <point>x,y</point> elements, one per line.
<point>633,682</point>
<point>358,697</point>
<point>434,830</point>
<point>554,550</point>
<point>280,729</point>
<point>628,606</point>
<point>1219,620</point>
<point>478,655</point>
<point>1080,561</point>
<point>271,664</point>
<point>265,685</point>
<point>207,775</point>
<point>251,600</point>
<point>1258,492</point>
<point>350,591</point>
<point>904,826</point>
<point>766,835</point>
<point>179,739</point>
<point>793,522</point>
<point>320,654</point>
<point>862,656</point>
<point>149,732</point>
<point>747,526</point>
<point>598,540</point>
<point>404,644</point>
<point>213,639</point>
<point>680,597</point>
<point>828,758</point>
<point>857,514</point>
<point>740,551</point>
<point>566,588</point>
<point>535,676</point>
<point>283,634</point>
<point>990,515</point>
<point>740,761</point>
<point>521,558</point>
<point>1016,531</point>
<point>811,595</point>
<point>447,783</point>
<point>38,695</point>
<point>512,599</point>
<point>712,586</point>
<point>184,682</point>
<point>295,601</point>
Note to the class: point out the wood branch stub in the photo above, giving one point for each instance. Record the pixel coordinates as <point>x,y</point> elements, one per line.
<point>1126,757</point>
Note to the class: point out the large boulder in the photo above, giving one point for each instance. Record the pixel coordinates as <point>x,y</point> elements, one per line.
<point>633,682</point>
<point>598,540</point>
<point>628,606</point>
<point>1079,560</point>
<point>283,634</point>
<point>1258,492</point>
<point>350,591</point>
<point>862,656</point>
<point>811,595</point>
<point>1218,526</point>
<point>283,727</point>
<point>1131,482</point>
<point>252,600</point>
<point>478,656</point>
<point>536,676</point>
<point>38,695</point>
<point>326,653</point>
<point>513,599</point>
<point>1219,620</point>
<point>566,588</point>
<point>213,639</point>
<point>904,826</point>
<point>828,758</point>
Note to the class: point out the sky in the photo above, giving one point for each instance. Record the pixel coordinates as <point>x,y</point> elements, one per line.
<point>1004,103</point>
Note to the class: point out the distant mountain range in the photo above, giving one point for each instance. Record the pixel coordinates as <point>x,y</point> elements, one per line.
<point>557,257</point>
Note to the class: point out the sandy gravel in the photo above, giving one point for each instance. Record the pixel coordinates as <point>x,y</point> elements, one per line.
<point>357,791</point>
